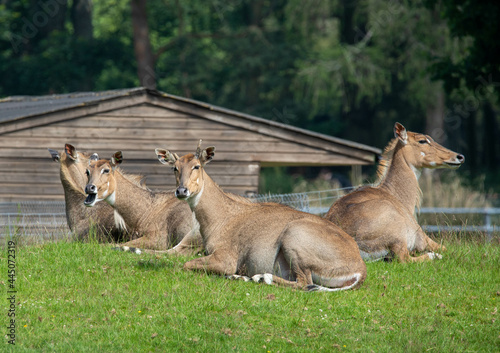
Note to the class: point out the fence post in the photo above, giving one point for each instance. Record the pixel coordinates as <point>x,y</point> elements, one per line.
<point>8,222</point>
<point>487,222</point>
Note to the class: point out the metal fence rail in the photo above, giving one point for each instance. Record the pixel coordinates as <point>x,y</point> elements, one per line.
<point>39,218</point>
<point>488,225</point>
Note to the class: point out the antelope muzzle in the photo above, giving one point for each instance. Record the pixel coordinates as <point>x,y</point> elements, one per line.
<point>455,162</point>
<point>91,191</point>
<point>182,193</point>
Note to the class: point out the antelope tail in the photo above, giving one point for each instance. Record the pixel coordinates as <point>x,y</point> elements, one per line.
<point>353,280</point>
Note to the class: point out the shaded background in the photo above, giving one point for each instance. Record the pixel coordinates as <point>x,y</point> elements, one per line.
<point>344,68</point>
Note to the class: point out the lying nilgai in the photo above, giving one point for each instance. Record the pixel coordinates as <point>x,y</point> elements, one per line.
<point>161,219</point>
<point>106,221</point>
<point>381,218</point>
<point>269,242</point>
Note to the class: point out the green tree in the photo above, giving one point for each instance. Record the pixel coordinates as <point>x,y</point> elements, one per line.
<point>476,24</point>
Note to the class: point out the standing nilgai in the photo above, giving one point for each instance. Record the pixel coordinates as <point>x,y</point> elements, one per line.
<point>159,218</point>
<point>268,242</point>
<point>381,219</point>
<point>80,219</point>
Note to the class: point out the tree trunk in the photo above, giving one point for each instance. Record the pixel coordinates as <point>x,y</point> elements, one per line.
<point>142,45</point>
<point>254,20</point>
<point>471,152</point>
<point>434,121</point>
<point>81,16</point>
<point>347,25</point>
<point>489,139</point>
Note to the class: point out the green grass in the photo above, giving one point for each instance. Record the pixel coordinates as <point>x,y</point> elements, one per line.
<point>85,297</point>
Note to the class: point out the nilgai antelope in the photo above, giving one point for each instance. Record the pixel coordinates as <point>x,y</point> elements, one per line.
<point>382,218</point>
<point>80,219</point>
<point>161,219</point>
<point>267,241</point>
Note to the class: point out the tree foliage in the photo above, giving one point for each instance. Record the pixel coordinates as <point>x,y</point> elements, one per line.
<point>475,24</point>
<point>340,67</point>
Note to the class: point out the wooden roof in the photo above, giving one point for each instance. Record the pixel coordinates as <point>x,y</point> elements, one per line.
<point>27,112</point>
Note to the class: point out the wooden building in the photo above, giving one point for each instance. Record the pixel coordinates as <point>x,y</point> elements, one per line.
<point>136,121</point>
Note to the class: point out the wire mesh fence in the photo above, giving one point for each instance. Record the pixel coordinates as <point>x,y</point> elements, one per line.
<point>47,219</point>
<point>44,219</point>
<point>316,202</point>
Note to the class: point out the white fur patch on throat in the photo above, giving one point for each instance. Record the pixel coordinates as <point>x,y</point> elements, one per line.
<point>416,171</point>
<point>111,199</point>
<point>193,201</point>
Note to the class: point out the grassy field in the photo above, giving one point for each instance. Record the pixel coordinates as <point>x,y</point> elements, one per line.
<point>85,297</point>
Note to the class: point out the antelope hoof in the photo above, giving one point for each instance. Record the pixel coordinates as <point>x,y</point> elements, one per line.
<point>129,249</point>
<point>312,288</point>
<point>267,278</point>
<point>236,277</point>
<point>434,255</point>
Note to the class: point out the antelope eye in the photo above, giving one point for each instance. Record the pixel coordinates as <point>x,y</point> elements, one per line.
<point>105,171</point>
<point>175,169</point>
<point>423,142</point>
<point>87,172</point>
<point>196,167</point>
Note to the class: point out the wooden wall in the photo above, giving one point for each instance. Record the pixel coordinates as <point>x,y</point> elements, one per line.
<point>28,173</point>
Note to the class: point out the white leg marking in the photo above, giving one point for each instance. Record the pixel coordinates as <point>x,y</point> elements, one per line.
<point>373,256</point>
<point>236,277</point>
<point>434,255</point>
<point>267,278</point>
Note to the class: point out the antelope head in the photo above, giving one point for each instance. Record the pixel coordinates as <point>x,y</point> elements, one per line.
<point>101,182</point>
<point>188,170</point>
<point>421,151</point>
<point>73,164</point>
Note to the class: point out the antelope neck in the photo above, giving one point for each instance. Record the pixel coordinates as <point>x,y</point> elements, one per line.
<point>402,180</point>
<point>213,204</point>
<point>130,200</point>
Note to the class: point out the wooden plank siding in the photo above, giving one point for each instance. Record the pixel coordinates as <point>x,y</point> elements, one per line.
<point>138,123</point>
<point>135,131</point>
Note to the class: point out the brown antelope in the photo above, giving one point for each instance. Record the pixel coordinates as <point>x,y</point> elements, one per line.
<point>108,222</point>
<point>266,241</point>
<point>161,219</point>
<point>382,218</point>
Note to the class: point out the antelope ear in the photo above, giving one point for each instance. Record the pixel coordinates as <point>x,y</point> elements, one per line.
<point>55,155</point>
<point>116,158</point>
<point>71,151</point>
<point>400,133</point>
<point>165,156</point>
<point>94,157</point>
<point>207,155</point>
